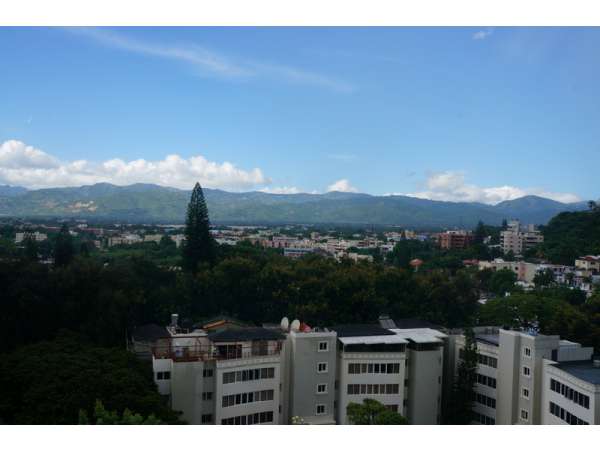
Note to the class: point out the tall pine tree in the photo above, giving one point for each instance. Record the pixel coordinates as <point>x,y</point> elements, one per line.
<point>63,247</point>
<point>199,246</point>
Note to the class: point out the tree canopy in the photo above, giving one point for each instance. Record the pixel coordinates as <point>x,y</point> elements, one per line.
<point>50,382</point>
<point>372,412</point>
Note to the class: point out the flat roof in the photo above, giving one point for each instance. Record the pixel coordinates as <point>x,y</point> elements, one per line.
<point>361,330</point>
<point>420,335</point>
<point>584,370</point>
<point>246,334</point>
<point>371,340</point>
<point>150,332</point>
<point>492,339</point>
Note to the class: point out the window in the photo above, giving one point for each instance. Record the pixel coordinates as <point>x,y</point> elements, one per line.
<point>525,392</point>
<point>373,389</point>
<point>207,395</point>
<point>322,388</point>
<point>207,373</point>
<point>322,367</point>
<point>323,346</point>
<point>524,415</point>
<point>163,375</point>
<point>570,394</point>
<point>527,352</point>
<point>207,418</point>
<point>526,371</point>
<point>321,409</point>
<point>565,416</point>
<point>251,419</point>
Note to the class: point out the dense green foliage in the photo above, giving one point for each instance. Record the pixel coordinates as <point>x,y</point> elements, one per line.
<point>50,382</point>
<point>550,311</point>
<point>570,235</point>
<point>372,412</point>
<point>103,417</point>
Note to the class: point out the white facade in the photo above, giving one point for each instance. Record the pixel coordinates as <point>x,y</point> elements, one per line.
<point>517,241</point>
<point>512,374</point>
<point>37,236</point>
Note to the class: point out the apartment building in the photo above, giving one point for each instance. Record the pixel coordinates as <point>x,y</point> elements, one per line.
<point>571,393</point>
<point>516,240</point>
<point>423,385</point>
<point>455,239</point>
<point>36,236</point>
<point>232,376</point>
<point>511,387</point>
<point>371,363</point>
<point>590,263</point>
<point>310,361</point>
<point>226,372</point>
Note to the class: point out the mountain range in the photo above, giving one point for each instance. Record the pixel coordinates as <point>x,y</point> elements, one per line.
<point>148,203</point>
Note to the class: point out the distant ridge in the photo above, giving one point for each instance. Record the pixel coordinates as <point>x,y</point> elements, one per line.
<point>141,203</point>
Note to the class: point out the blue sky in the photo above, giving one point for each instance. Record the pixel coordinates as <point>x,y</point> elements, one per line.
<point>476,114</point>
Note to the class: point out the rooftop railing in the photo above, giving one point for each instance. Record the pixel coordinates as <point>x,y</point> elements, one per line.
<point>214,352</point>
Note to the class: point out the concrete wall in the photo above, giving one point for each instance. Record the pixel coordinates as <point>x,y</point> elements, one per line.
<point>304,378</point>
<point>248,386</point>
<point>591,415</point>
<point>344,378</point>
<point>425,371</point>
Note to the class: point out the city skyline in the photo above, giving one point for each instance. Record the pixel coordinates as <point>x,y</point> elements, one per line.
<point>459,114</point>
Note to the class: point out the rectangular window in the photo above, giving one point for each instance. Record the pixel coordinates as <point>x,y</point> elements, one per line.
<point>321,409</point>
<point>524,415</point>
<point>526,371</point>
<point>525,392</point>
<point>207,395</point>
<point>527,352</point>
<point>207,373</point>
<point>323,346</point>
<point>322,388</point>
<point>322,367</point>
<point>207,418</point>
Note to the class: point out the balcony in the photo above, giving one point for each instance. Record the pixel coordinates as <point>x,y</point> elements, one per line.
<point>215,352</point>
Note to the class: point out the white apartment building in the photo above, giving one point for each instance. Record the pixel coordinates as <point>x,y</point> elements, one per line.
<point>228,377</point>
<point>371,363</point>
<point>517,241</point>
<point>424,374</point>
<point>292,373</point>
<point>511,385</point>
<point>37,236</point>
<point>310,361</point>
<point>571,393</point>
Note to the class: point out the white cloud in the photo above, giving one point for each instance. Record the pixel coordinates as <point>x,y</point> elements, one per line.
<point>342,185</point>
<point>23,165</point>
<point>482,34</point>
<point>280,190</point>
<point>451,186</point>
<point>212,63</point>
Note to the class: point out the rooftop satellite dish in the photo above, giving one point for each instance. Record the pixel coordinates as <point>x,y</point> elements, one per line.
<point>295,325</point>
<point>285,324</point>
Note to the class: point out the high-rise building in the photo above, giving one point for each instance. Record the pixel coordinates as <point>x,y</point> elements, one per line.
<point>518,241</point>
